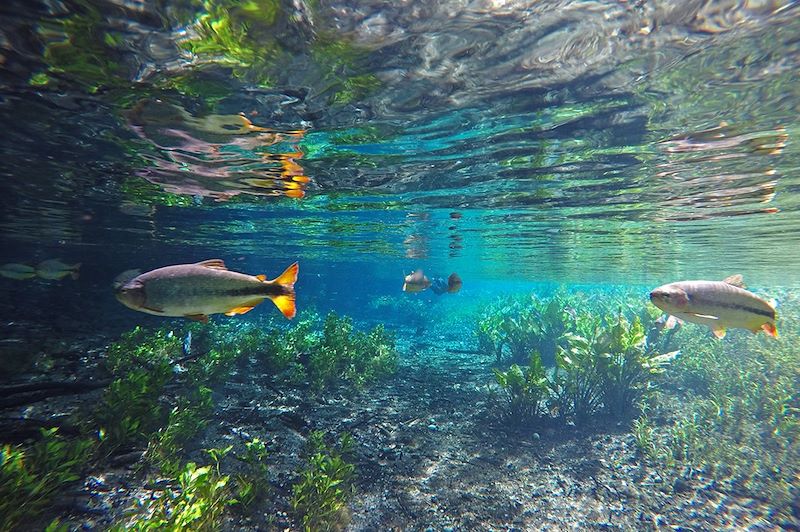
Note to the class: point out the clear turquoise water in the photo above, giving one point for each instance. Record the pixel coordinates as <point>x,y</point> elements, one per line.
<point>594,147</point>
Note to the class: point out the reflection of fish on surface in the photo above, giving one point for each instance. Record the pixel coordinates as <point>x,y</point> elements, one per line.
<point>54,269</point>
<point>197,290</point>
<point>716,304</point>
<point>415,282</point>
<point>452,285</point>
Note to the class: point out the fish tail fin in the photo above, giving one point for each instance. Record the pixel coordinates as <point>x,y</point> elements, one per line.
<point>285,304</point>
<point>770,329</point>
<point>289,276</point>
<point>286,300</point>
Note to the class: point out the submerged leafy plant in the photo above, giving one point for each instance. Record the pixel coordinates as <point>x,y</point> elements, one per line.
<point>524,390</point>
<point>337,353</point>
<point>320,497</point>
<point>627,365</point>
<point>198,502</point>
<point>252,485</point>
<point>520,327</point>
<point>30,477</point>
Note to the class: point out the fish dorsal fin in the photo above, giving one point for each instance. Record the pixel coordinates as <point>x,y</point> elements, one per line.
<point>735,280</point>
<point>216,264</point>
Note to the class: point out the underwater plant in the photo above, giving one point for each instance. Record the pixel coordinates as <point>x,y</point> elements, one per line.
<point>319,498</point>
<point>627,364</point>
<point>129,410</point>
<point>524,390</point>
<point>608,366</point>
<point>185,421</point>
<point>197,501</point>
<point>30,477</point>
<point>577,382</point>
<point>254,484</point>
<point>521,326</point>
<point>337,353</point>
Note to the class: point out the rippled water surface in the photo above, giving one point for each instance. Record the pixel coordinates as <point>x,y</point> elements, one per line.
<point>630,142</point>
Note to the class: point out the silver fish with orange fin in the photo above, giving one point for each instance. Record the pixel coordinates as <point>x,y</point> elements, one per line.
<point>196,290</point>
<point>720,305</point>
<point>416,282</point>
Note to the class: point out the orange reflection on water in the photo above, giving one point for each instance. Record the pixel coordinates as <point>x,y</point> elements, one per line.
<point>217,156</point>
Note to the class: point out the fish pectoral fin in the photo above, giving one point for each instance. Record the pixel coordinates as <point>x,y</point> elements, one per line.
<point>719,332</point>
<point>704,316</point>
<point>770,329</point>
<point>202,318</point>
<point>735,280</point>
<point>216,264</point>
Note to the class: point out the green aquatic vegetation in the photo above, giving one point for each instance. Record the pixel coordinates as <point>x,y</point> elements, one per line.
<point>356,357</point>
<point>738,419</point>
<point>338,353</point>
<point>197,84</point>
<point>644,437</point>
<point>319,498</point>
<point>240,36</point>
<point>520,326</point>
<point>490,335</point>
<point>129,410</point>
<point>142,348</point>
<point>254,484</point>
<point>185,421</point>
<point>31,476</point>
<point>79,49</point>
<point>628,365</point>
<point>608,366</point>
<point>577,382</point>
<point>285,348</point>
<point>197,502</point>
<point>524,390</point>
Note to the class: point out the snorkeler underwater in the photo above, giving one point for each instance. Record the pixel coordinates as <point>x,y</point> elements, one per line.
<point>549,265</point>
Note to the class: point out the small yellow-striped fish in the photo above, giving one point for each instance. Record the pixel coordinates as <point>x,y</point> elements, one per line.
<point>720,305</point>
<point>196,290</point>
